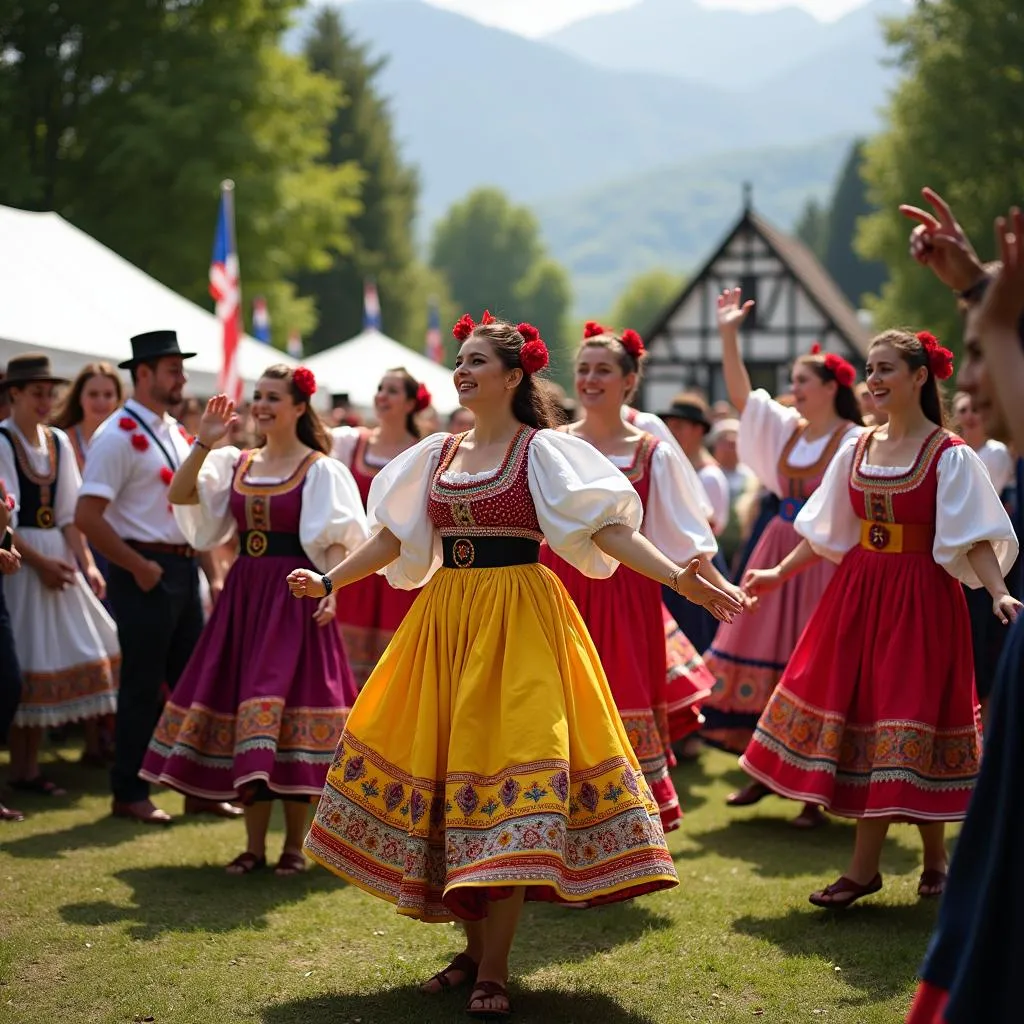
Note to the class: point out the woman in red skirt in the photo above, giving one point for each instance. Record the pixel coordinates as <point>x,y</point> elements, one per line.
<point>876,715</point>
<point>372,609</point>
<point>649,662</point>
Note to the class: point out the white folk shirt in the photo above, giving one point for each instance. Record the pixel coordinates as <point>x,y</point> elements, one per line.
<point>130,479</point>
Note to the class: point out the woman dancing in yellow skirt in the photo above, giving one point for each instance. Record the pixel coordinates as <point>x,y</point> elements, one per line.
<point>484,762</point>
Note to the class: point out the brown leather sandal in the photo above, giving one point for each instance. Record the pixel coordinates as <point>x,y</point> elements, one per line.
<point>289,863</point>
<point>931,878</point>
<point>246,863</point>
<point>463,962</point>
<point>752,793</point>
<point>489,990</point>
<point>844,887</point>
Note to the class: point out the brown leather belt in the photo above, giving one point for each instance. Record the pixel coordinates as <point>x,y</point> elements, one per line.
<point>159,548</point>
<point>896,538</point>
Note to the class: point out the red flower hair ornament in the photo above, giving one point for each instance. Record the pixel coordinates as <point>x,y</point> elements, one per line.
<point>939,359</point>
<point>304,381</point>
<point>423,398</point>
<point>466,325</point>
<point>633,343</point>
<point>592,329</point>
<point>841,370</point>
<point>533,356</point>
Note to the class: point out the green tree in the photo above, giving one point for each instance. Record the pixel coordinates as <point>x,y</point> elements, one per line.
<point>856,276</point>
<point>381,236</point>
<point>644,299</point>
<point>491,254</point>
<point>953,123</point>
<point>812,227</point>
<point>130,114</point>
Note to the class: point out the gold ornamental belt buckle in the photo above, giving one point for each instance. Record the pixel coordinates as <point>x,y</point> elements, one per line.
<point>256,543</point>
<point>463,553</point>
<point>44,517</point>
<point>882,537</point>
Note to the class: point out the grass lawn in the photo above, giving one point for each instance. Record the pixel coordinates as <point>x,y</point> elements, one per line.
<point>102,920</point>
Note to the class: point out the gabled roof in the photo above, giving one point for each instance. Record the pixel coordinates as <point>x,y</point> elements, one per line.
<point>804,266</point>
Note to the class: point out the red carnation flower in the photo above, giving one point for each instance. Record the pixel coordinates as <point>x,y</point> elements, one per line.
<point>633,343</point>
<point>464,327</point>
<point>592,329</point>
<point>304,381</point>
<point>528,331</point>
<point>127,423</point>
<point>941,361</point>
<point>139,443</point>
<point>927,339</point>
<point>423,398</point>
<point>816,349</point>
<point>843,372</point>
<point>166,474</point>
<point>533,356</point>
<point>487,318</point>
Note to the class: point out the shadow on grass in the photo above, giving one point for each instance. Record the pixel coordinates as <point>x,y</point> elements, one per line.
<point>877,948</point>
<point>688,776</point>
<point>778,850</point>
<point>196,899</point>
<point>407,1006</point>
<point>105,832</point>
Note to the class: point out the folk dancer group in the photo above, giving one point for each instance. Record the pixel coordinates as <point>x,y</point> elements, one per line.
<point>512,741</point>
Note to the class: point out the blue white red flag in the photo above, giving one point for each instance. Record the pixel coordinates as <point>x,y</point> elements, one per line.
<point>434,342</point>
<point>295,344</point>
<point>260,319</point>
<point>226,289</point>
<point>371,307</point>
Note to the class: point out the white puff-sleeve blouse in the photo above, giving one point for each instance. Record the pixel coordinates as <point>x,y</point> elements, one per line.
<point>332,512</point>
<point>575,489</point>
<point>969,512</point>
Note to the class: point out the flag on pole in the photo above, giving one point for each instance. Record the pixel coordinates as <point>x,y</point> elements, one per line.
<point>434,345</point>
<point>226,290</point>
<point>371,306</point>
<point>260,319</point>
<point>294,344</point>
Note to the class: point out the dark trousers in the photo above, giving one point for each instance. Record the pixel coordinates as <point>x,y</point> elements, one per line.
<point>10,675</point>
<point>158,632</point>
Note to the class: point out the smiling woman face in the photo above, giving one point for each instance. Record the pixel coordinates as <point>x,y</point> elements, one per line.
<point>894,386</point>
<point>599,378</point>
<point>273,409</point>
<point>481,379</point>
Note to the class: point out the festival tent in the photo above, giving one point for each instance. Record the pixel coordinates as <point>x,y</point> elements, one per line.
<point>355,367</point>
<point>65,294</point>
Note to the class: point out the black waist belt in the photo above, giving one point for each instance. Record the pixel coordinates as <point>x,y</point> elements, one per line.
<point>257,543</point>
<point>489,552</point>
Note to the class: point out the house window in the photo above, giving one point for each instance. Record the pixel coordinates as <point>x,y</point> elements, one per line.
<point>748,289</point>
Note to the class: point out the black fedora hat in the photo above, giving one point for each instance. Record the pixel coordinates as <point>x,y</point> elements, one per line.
<point>691,411</point>
<point>30,368</point>
<point>154,345</point>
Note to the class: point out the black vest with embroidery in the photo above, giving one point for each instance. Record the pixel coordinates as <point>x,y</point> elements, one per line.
<point>36,494</point>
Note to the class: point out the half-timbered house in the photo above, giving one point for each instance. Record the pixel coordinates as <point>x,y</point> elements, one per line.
<point>797,304</point>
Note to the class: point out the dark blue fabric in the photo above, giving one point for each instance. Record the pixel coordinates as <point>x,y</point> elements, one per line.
<point>1015,580</point>
<point>698,625</point>
<point>10,675</point>
<point>978,943</point>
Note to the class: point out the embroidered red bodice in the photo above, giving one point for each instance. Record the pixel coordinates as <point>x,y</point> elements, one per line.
<point>498,505</point>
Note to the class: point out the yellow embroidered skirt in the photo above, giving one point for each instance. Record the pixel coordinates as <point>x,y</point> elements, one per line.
<point>485,752</point>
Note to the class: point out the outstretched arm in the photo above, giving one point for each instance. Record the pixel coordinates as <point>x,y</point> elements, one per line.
<point>380,550</point>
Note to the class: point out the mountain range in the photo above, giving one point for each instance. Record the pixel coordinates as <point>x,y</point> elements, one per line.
<point>640,110</point>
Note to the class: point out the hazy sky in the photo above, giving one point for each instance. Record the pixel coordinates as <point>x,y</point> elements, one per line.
<point>536,17</point>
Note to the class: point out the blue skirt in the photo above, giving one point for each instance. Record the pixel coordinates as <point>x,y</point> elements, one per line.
<point>978,943</point>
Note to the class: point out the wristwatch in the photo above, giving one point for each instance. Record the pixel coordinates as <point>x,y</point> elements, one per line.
<point>328,585</point>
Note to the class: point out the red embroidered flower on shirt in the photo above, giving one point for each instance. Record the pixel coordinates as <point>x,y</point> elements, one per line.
<point>189,439</point>
<point>139,443</point>
<point>127,423</point>
<point>166,474</point>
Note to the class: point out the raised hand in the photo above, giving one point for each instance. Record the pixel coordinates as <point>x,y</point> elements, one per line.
<point>938,242</point>
<point>217,420</point>
<point>306,583</point>
<point>691,585</point>
<point>1003,304</point>
<point>731,311</point>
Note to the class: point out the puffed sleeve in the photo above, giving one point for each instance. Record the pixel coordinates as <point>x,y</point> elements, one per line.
<point>208,523</point>
<point>69,481</point>
<point>577,491</point>
<point>969,512</point>
<point>765,427</point>
<point>398,500</point>
<point>343,444</point>
<point>332,512</point>
<point>717,488</point>
<point>674,521</point>
<point>9,476</point>
<point>109,465</point>
<point>827,521</point>
<point>656,425</point>
<point>999,464</point>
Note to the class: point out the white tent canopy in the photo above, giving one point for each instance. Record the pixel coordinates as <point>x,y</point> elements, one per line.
<point>65,294</point>
<point>355,367</point>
